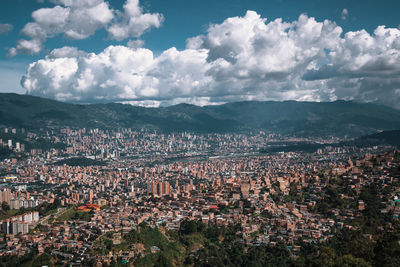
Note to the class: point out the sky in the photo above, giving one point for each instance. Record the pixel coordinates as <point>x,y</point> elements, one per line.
<point>157,53</point>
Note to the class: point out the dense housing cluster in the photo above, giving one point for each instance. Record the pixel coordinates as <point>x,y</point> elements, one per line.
<point>81,187</point>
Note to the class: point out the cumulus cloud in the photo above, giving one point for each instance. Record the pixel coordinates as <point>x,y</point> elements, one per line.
<point>135,43</point>
<point>26,47</point>
<point>5,28</point>
<point>80,19</point>
<point>134,22</point>
<point>66,52</point>
<point>243,58</point>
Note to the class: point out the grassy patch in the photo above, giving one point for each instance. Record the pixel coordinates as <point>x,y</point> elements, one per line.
<point>169,251</point>
<point>72,215</point>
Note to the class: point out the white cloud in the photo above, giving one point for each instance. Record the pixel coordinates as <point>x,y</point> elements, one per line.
<point>26,47</point>
<point>243,58</point>
<point>5,28</point>
<point>66,52</point>
<point>135,43</point>
<point>80,19</point>
<point>345,13</point>
<point>134,22</point>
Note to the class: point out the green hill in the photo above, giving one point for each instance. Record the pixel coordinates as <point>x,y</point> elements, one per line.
<point>338,118</point>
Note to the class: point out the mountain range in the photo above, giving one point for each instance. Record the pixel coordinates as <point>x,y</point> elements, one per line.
<point>339,118</point>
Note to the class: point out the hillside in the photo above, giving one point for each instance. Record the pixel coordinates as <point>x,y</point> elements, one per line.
<point>387,137</point>
<point>391,138</point>
<point>339,118</point>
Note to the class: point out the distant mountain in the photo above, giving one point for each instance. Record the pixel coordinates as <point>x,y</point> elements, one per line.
<point>338,118</point>
<point>391,138</point>
<point>386,137</point>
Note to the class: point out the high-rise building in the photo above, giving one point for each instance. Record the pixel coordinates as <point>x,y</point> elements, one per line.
<point>157,188</point>
<point>14,203</point>
<point>244,189</point>
<point>91,196</point>
<point>18,146</point>
<point>5,195</point>
<point>165,188</point>
<point>153,187</point>
<point>160,188</point>
<point>19,224</point>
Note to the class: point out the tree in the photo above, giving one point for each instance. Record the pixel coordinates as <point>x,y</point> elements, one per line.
<point>5,206</point>
<point>351,261</point>
<point>189,227</point>
<point>43,259</point>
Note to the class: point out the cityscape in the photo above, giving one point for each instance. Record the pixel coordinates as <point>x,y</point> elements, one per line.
<point>151,133</point>
<point>80,202</point>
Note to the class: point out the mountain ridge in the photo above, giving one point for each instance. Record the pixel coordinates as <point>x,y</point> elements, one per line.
<point>339,118</point>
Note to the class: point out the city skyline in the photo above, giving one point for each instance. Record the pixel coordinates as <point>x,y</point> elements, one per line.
<point>96,197</point>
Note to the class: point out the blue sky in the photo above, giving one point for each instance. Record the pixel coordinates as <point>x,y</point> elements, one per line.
<point>186,19</point>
